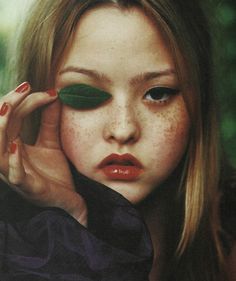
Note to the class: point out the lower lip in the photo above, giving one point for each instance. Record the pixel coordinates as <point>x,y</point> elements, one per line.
<point>119,172</point>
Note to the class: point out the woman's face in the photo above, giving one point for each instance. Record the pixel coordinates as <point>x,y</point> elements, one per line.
<point>142,130</point>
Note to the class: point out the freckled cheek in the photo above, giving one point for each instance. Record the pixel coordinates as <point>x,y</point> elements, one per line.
<point>76,138</point>
<point>169,139</point>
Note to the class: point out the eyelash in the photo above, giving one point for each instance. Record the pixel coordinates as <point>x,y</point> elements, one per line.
<point>160,94</point>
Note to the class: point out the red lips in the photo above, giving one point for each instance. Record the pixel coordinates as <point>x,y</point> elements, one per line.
<point>121,167</point>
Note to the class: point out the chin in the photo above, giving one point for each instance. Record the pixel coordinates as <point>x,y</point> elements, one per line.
<point>132,192</point>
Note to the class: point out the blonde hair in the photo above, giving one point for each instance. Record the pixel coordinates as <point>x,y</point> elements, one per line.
<point>49,28</point>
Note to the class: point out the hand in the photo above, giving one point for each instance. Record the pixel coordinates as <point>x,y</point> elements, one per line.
<point>40,172</point>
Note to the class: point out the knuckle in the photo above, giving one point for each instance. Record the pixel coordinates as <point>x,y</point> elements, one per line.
<point>32,99</point>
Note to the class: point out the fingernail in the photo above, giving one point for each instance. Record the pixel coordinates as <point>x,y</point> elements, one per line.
<point>52,92</point>
<point>3,109</point>
<point>22,87</point>
<point>13,147</point>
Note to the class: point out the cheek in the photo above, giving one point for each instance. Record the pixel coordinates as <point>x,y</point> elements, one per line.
<point>170,137</point>
<point>76,137</point>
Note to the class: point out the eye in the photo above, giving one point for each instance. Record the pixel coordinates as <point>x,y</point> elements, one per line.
<point>160,94</point>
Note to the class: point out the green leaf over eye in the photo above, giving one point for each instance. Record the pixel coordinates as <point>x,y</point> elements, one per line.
<point>82,96</point>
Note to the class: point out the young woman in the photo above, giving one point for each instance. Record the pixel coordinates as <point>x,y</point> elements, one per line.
<point>120,132</point>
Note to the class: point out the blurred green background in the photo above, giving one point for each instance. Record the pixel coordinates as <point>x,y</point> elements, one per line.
<point>224,30</point>
<point>223,18</point>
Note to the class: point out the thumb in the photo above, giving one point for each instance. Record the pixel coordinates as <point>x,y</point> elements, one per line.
<point>50,124</point>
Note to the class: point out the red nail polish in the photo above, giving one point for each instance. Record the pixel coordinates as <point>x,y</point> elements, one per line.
<point>3,109</point>
<point>22,87</point>
<point>13,147</point>
<point>52,92</point>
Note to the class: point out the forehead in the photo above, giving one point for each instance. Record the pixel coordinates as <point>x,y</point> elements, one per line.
<point>111,28</point>
<point>117,44</point>
<point>110,18</point>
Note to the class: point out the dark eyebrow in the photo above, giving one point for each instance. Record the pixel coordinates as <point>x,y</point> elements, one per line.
<point>146,76</point>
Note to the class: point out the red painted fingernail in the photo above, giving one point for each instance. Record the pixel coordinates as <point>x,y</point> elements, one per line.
<point>22,87</point>
<point>52,92</point>
<point>13,147</point>
<point>3,109</point>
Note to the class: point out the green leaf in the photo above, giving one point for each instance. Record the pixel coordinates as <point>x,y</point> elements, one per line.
<point>82,96</point>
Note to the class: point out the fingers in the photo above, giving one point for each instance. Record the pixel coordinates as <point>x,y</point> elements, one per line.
<point>49,129</point>
<point>16,173</point>
<point>14,107</point>
<point>43,193</point>
<point>4,118</point>
<point>15,97</point>
<point>7,104</point>
<point>28,105</point>
<point>21,181</point>
<point>32,102</point>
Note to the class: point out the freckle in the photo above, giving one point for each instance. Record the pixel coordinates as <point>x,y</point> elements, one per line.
<point>71,131</point>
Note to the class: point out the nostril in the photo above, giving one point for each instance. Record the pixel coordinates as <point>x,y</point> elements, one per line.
<point>122,130</point>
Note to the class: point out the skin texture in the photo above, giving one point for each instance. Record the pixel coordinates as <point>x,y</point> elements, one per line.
<point>124,45</point>
<point>33,170</point>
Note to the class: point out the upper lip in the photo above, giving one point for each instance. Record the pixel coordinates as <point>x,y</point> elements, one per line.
<point>116,159</point>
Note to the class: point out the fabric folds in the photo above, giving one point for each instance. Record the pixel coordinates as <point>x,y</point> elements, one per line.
<point>51,245</point>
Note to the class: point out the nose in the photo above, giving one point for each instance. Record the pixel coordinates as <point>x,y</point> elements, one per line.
<point>122,126</point>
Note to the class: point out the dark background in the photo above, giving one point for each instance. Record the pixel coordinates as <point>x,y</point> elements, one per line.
<point>222,15</point>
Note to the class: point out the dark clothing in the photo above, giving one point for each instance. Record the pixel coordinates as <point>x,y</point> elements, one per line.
<point>39,244</point>
<point>228,212</point>
<point>48,244</point>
